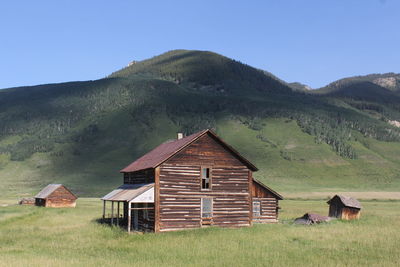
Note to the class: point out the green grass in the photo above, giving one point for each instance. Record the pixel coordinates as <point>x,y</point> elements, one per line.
<point>288,160</point>
<point>64,237</point>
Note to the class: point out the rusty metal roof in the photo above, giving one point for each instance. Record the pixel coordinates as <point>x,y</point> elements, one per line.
<point>166,150</point>
<point>127,192</point>
<point>347,201</point>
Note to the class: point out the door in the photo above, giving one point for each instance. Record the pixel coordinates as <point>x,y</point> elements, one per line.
<point>256,209</point>
<point>206,210</point>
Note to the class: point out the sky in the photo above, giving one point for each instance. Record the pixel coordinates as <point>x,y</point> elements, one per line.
<point>309,41</point>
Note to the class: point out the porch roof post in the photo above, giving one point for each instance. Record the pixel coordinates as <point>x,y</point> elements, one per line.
<point>129,216</point>
<point>104,210</point>
<point>112,212</point>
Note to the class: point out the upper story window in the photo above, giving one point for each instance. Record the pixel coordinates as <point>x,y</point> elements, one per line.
<point>205,178</point>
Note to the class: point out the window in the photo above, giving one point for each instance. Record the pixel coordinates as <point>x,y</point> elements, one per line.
<point>205,178</point>
<point>126,177</point>
<point>256,208</point>
<point>145,212</point>
<point>206,207</point>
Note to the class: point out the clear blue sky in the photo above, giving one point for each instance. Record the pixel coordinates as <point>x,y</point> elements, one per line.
<point>310,41</point>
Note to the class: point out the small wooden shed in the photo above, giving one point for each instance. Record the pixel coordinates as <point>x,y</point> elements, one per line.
<point>265,203</point>
<point>345,208</point>
<point>56,196</point>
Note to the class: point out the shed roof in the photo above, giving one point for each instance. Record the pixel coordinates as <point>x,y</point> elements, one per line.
<point>50,189</point>
<point>166,150</point>
<point>278,196</point>
<point>347,201</point>
<point>127,192</point>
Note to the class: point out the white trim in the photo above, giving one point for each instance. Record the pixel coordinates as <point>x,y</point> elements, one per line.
<point>211,205</point>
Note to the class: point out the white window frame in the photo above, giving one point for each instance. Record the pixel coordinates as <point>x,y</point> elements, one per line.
<point>209,178</point>
<point>259,212</point>
<point>211,205</point>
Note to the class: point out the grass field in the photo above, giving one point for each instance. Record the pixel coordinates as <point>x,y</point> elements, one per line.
<point>290,161</point>
<point>31,236</point>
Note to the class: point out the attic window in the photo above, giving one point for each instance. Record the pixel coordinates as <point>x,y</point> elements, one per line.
<point>205,178</point>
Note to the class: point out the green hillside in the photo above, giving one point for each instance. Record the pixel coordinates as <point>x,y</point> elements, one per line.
<point>389,81</point>
<point>82,133</point>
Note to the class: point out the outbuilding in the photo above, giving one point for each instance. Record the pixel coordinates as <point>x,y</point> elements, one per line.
<point>345,208</point>
<point>56,196</point>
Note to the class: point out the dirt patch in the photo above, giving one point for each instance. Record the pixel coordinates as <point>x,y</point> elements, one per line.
<point>290,146</point>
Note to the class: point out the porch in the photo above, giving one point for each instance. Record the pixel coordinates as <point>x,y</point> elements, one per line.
<point>130,206</point>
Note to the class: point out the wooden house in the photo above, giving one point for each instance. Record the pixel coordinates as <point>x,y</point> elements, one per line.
<point>346,208</point>
<point>56,196</point>
<point>191,182</point>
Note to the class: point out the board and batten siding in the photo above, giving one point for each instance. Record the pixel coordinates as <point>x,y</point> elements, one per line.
<point>179,193</point>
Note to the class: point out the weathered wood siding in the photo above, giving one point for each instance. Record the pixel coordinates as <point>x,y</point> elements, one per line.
<point>61,197</point>
<point>180,190</point>
<point>268,212</point>
<point>139,177</point>
<point>260,192</point>
<point>146,223</point>
<point>350,213</point>
<point>268,202</point>
<point>335,210</point>
<point>338,210</point>
<point>206,151</point>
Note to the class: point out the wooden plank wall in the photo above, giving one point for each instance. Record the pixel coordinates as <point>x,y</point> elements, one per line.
<point>350,213</point>
<point>269,204</point>
<point>139,177</point>
<point>268,210</point>
<point>180,187</point>
<point>61,197</point>
<point>143,223</point>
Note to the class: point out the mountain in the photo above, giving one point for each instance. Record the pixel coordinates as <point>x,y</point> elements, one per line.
<point>376,94</point>
<point>204,71</point>
<point>389,81</point>
<point>373,87</point>
<point>296,86</point>
<point>82,133</point>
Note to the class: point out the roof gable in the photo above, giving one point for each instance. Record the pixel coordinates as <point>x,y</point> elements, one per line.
<point>278,196</point>
<point>347,201</point>
<point>166,150</point>
<point>51,188</point>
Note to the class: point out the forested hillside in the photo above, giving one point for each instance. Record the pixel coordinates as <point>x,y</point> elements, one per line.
<point>83,133</point>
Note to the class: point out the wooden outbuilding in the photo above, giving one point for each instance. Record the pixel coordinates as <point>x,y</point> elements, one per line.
<point>345,208</point>
<point>265,203</point>
<point>27,201</point>
<point>56,196</point>
<point>194,181</point>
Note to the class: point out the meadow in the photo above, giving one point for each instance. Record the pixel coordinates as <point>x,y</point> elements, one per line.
<point>32,236</point>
